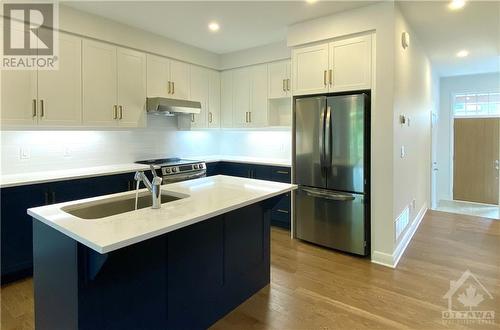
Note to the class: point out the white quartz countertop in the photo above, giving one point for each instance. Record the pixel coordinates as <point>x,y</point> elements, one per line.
<point>204,198</point>
<point>12,180</point>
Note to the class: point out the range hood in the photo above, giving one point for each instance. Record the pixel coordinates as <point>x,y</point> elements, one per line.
<point>170,107</point>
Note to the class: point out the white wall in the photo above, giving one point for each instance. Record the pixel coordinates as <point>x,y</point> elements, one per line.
<point>259,143</point>
<point>378,18</point>
<point>448,86</point>
<point>257,55</point>
<point>94,148</point>
<point>413,97</point>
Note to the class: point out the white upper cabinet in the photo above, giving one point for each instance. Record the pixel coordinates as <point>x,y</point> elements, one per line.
<point>199,90</point>
<point>45,97</point>
<point>279,79</point>
<point>351,64</point>
<point>259,92</point>
<point>337,66</point>
<point>179,78</point>
<point>158,76</point>
<point>310,67</point>
<point>242,83</point>
<point>99,84</point>
<point>226,93</point>
<point>131,87</point>
<point>114,85</point>
<point>19,98</point>
<point>214,99</point>
<point>60,91</point>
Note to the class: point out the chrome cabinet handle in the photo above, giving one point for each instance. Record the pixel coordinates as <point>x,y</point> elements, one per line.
<point>282,211</point>
<point>210,117</point>
<point>192,117</point>
<point>246,117</point>
<point>288,84</point>
<point>115,111</point>
<point>324,78</point>
<point>173,87</point>
<point>169,87</point>
<point>249,116</point>
<point>33,108</point>
<point>121,111</point>
<point>42,109</point>
<point>330,76</point>
<point>282,172</point>
<point>284,85</point>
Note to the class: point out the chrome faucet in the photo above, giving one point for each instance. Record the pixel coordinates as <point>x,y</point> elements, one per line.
<point>153,187</point>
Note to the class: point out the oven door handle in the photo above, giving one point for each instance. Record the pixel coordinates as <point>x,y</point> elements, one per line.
<point>182,177</point>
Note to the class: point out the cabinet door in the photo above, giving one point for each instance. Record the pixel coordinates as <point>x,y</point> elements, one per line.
<point>226,93</point>
<point>214,100</point>
<point>351,64</point>
<point>242,81</point>
<point>199,82</point>
<point>18,98</point>
<point>158,75</point>
<point>179,76</point>
<point>259,103</point>
<point>16,234</point>
<point>99,84</point>
<point>60,91</point>
<point>131,89</point>
<point>309,69</point>
<point>277,79</point>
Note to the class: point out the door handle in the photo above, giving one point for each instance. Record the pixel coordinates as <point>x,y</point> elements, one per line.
<point>192,117</point>
<point>288,84</point>
<point>282,172</point>
<point>321,141</point>
<point>120,108</point>
<point>328,137</point>
<point>282,211</point>
<point>33,108</point>
<point>115,111</point>
<point>210,117</point>
<point>284,85</point>
<point>42,108</point>
<point>173,87</point>
<point>330,76</point>
<point>249,116</point>
<point>497,165</point>
<point>169,87</point>
<point>329,195</point>
<point>324,78</point>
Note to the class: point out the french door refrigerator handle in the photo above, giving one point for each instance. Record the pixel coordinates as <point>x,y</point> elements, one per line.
<point>329,195</point>
<point>328,137</point>
<point>322,139</point>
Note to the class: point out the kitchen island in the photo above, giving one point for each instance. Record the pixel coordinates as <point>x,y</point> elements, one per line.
<point>184,265</point>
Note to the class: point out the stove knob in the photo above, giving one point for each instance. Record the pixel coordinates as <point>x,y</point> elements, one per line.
<point>195,166</point>
<point>174,169</point>
<point>167,170</point>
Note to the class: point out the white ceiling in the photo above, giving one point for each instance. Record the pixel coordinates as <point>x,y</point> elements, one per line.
<point>443,32</point>
<point>243,24</point>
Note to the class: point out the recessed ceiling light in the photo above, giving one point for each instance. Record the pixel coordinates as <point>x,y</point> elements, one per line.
<point>214,26</point>
<point>456,4</point>
<point>311,1</point>
<point>463,53</point>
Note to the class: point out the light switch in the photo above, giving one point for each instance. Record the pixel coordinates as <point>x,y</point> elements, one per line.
<point>25,153</point>
<point>403,152</point>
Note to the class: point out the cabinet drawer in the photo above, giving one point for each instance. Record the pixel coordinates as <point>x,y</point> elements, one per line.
<point>281,174</point>
<point>281,212</point>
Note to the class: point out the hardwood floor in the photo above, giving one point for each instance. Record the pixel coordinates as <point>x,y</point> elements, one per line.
<point>315,288</point>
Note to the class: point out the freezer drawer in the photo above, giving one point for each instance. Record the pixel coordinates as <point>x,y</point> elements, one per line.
<point>332,219</point>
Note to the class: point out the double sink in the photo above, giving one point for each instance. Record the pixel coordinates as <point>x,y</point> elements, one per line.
<point>117,205</point>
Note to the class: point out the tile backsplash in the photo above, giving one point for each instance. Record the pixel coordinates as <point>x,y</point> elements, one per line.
<point>28,151</point>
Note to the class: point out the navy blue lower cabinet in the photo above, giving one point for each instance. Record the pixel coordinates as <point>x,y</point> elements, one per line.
<point>213,168</point>
<point>186,279</point>
<point>281,214</point>
<point>16,224</point>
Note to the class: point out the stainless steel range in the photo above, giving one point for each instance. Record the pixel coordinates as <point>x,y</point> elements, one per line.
<point>177,169</point>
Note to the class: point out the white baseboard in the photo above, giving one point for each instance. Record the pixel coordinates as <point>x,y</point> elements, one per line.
<point>391,260</point>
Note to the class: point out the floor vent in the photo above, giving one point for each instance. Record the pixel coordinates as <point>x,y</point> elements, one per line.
<point>401,222</point>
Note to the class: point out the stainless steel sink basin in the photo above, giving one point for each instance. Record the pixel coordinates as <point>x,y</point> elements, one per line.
<point>117,205</point>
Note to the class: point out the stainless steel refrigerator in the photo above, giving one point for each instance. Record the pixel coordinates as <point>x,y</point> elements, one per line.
<point>331,166</point>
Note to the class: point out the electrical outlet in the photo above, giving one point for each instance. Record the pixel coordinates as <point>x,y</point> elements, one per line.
<point>24,153</point>
<point>282,147</point>
<point>67,151</point>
